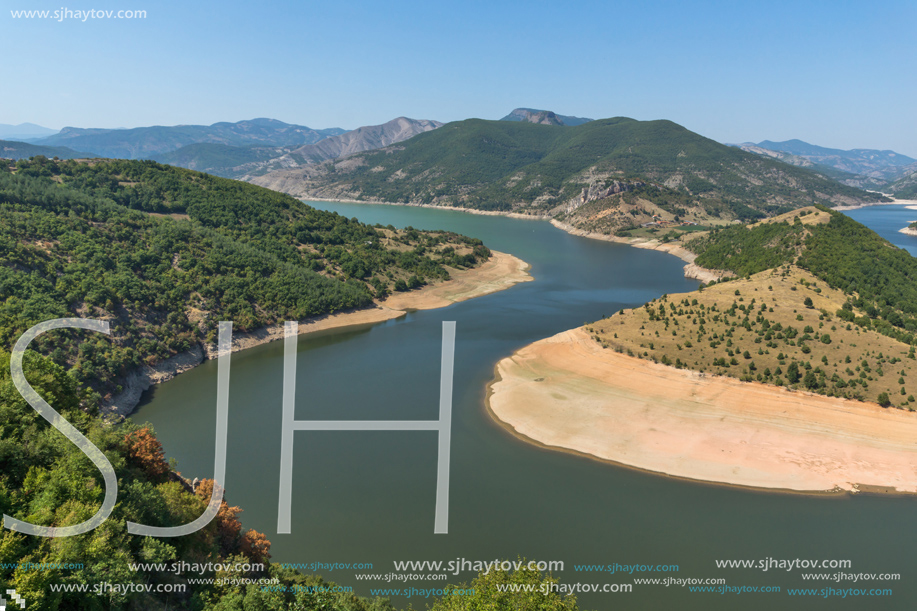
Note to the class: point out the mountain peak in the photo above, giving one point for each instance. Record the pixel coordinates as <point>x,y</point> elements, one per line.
<point>543,117</point>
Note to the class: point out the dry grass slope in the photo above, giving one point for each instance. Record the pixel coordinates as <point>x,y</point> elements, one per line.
<point>776,327</point>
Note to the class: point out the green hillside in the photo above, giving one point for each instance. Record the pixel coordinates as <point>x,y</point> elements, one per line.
<point>582,174</point>
<point>166,253</point>
<point>879,278</point>
<point>905,187</point>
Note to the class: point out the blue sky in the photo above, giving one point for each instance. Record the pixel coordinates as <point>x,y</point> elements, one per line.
<point>838,74</point>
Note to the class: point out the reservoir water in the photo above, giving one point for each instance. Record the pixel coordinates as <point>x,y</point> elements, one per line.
<point>368,497</point>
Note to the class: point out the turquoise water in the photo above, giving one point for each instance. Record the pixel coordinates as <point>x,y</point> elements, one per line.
<point>368,497</point>
<point>887,221</point>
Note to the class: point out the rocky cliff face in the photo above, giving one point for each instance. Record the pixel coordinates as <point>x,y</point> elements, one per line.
<point>365,139</point>
<point>543,117</point>
<point>596,191</point>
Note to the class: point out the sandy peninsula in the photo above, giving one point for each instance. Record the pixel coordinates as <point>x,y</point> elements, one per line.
<point>567,392</point>
<point>499,272</point>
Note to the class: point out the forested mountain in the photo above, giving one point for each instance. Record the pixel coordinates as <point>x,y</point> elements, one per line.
<point>13,149</point>
<point>166,253</point>
<point>868,162</point>
<point>162,254</point>
<point>145,142</point>
<point>608,176</point>
<point>821,303</point>
<point>240,162</point>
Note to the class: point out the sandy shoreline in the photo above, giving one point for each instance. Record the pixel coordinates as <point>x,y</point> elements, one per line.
<point>894,202</point>
<point>566,392</point>
<point>500,272</point>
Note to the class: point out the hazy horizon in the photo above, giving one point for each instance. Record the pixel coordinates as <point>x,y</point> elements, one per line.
<point>828,74</point>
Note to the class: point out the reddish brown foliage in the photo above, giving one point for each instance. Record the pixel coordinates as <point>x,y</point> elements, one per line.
<point>252,544</point>
<point>256,546</point>
<point>145,451</point>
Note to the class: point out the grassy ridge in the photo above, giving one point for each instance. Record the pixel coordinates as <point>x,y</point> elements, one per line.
<point>879,278</point>
<point>822,304</point>
<point>778,327</point>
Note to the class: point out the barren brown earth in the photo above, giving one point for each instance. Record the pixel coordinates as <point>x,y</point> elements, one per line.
<point>567,392</point>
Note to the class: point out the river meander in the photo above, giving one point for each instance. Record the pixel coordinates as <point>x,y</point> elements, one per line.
<point>368,497</point>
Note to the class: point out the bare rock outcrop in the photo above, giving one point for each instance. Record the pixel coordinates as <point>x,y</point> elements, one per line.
<point>140,380</point>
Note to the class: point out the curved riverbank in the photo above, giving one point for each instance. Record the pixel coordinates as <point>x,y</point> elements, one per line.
<point>691,270</point>
<point>500,272</point>
<point>567,392</point>
<point>379,202</point>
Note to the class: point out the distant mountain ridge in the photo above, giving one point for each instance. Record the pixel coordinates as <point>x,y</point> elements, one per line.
<point>24,131</point>
<point>544,117</point>
<point>868,162</point>
<point>145,142</point>
<point>14,149</point>
<point>862,168</point>
<point>240,162</point>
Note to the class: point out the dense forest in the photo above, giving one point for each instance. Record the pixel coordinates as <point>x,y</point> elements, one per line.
<point>165,253</point>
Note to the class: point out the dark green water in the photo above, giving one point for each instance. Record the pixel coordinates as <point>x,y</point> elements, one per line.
<point>368,497</point>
